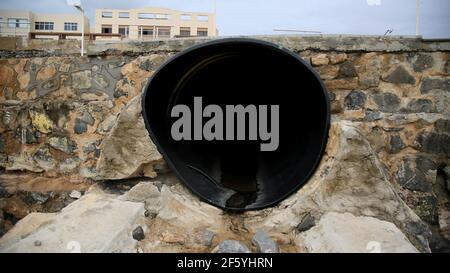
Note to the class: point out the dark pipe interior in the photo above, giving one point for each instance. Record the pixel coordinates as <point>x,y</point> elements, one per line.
<point>236,175</point>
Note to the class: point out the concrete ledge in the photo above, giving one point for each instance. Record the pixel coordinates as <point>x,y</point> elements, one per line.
<point>340,43</point>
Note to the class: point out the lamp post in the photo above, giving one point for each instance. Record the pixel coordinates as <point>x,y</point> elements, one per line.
<point>417,17</point>
<point>77,4</point>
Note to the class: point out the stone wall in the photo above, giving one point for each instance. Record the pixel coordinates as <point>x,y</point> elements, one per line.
<point>63,115</point>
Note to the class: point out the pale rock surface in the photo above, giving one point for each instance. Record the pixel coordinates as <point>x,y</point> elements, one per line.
<point>344,233</point>
<point>128,150</point>
<point>97,222</point>
<point>350,179</point>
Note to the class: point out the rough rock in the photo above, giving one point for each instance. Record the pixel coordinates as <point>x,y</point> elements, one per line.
<point>27,135</point>
<point>177,205</point>
<point>344,232</point>
<point>263,243</point>
<point>38,197</point>
<point>231,246</point>
<point>433,83</point>
<point>87,118</point>
<point>173,237</point>
<point>205,237</point>
<point>399,76</point>
<point>355,100</point>
<point>46,73</point>
<point>423,62</point>
<point>372,115</point>
<point>425,164</point>
<point>6,76</point>
<point>63,144</point>
<point>410,178</point>
<point>433,143</point>
<point>342,84</point>
<point>44,158</point>
<point>387,102</point>
<point>75,194</point>
<point>420,105</point>
<point>327,72</point>
<point>16,207</point>
<point>442,126</point>
<point>351,179</point>
<point>338,58</point>
<point>426,208</point>
<point>128,151</point>
<point>69,164</point>
<point>369,70</point>
<point>80,127</point>
<point>81,79</point>
<point>306,223</point>
<point>97,222</point>
<point>41,121</point>
<point>320,59</point>
<point>138,234</point>
<point>106,125</point>
<point>347,70</point>
<point>396,144</point>
<point>141,192</point>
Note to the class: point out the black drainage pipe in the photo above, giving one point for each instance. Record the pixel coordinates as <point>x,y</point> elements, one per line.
<point>235,174</point>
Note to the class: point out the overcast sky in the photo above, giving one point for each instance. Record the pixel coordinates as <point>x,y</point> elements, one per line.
<point>252,17</point>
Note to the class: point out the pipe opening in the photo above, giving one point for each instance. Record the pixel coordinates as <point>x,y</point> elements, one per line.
<point>237,174</point>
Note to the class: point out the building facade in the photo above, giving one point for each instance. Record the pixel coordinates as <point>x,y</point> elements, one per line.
<point>50,26</point>
<point>154,23</point>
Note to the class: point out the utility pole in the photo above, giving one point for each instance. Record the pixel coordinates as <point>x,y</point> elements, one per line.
<point>77,4</point>
<point>417,17</point>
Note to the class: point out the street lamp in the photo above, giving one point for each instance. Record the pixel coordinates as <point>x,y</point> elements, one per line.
<point>77,4</point>
<point>417,17</point>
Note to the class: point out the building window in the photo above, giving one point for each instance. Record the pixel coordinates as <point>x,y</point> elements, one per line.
<point>124,15</point>
<point>17,23</point>
<point>70,26</point>
<point>203,32</point>
<point>185,31</point>
<point>145,15</point>
<point>185,17</point>
<point>163,32</point>
<point>124,31</point>
<point>157,16</point>
<point>44,25</point>
<point>162,16</point>
<point>147,32</point>
<point>202,18</point>
<point>106,29</point>
<point>107,14</point>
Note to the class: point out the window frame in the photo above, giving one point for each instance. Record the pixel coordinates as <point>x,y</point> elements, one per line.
<point>186,17</point>
<point>69,26</point>
<point>205,18</point>
<point>148,30</point>
<point>185,29</point>
<point>107,12</point>
<point>107,27</point>
<point>124,17</point>
<point>202,29</point>
<point>18,23</point>
<point>127,30</point>
<point>153,16</point>
<point>39,25</point>
<point>163,28</point>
